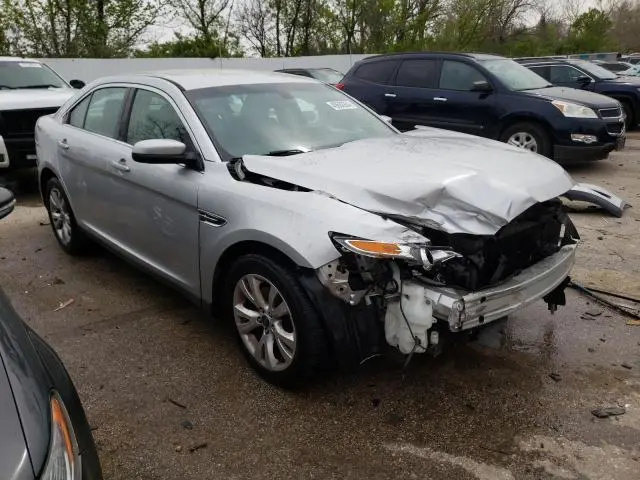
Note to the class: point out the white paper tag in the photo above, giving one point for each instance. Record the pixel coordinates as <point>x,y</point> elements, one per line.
<point>342,105</point>
<point>30,65</point>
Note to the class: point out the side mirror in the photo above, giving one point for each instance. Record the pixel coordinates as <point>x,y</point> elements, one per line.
<point>163,152</point>
<point>583,81</point>
<point>7,202</point>
<point>386,118</point>
<point>482,86</point>
<point>79,84</point>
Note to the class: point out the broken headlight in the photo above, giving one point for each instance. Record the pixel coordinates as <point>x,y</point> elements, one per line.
<point>421,254</point>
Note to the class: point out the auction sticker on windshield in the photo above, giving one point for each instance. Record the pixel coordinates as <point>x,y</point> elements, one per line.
<point>342,105</point>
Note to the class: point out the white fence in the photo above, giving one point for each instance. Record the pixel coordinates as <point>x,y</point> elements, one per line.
<point>88,69</point>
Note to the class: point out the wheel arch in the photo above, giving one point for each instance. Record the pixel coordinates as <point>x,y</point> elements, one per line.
<point>244,247</point>
<point>45,175</point>
<point>523,117</point>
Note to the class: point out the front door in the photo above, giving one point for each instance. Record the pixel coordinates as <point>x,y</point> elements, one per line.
<point>459,107</point>
<point>155,217</point>
<point>569,76</point>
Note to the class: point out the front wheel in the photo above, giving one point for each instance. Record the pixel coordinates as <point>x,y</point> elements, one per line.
<point>528,136</point>
<point>278,328</point>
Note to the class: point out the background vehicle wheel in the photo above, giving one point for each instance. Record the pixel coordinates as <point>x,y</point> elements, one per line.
<point>278,328</point>
<point>630,121</point>
<point>69,236</point>
<point>528,136</point>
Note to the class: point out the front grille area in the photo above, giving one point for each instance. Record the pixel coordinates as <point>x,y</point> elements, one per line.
<point>18,123</point>
<point>610,112</point>
<point>535,234</point>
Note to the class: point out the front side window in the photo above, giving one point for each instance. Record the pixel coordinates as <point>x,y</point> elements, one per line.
<point>273,119</point>
<point>459,76</point>
<point>564,74</point>
<point>105,108</point>
<point>28,74</point>
<point>417,73</point>
<point>153,117</point>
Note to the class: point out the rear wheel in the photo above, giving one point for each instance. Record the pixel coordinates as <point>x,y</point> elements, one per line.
<point>278,328</point>
<point>63,222</point>
<point>528,136</point>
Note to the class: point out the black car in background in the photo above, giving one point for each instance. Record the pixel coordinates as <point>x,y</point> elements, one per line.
<point>490,96</point>
<point>588,76</point>
<point>44,433</point>
<point>325,75</point>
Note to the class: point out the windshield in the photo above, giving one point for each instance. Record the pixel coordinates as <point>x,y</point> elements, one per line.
<point>327,75</point>
<point>514,76</point>
<point>28,75</point>
<point>595,70</point>
<point>633,71</point>
<point>282,118</point>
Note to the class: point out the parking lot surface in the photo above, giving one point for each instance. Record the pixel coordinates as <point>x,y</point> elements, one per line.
<point>169,395</point>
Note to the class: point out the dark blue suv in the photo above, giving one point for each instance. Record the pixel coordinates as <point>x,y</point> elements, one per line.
<point>591,77</point>
<point>489,96</point>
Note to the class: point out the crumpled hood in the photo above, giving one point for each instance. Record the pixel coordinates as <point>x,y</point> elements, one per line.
<point>453,182</point>
<point>28,98</point>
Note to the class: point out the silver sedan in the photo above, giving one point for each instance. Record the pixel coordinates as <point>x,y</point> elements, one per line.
<point>299,214</point>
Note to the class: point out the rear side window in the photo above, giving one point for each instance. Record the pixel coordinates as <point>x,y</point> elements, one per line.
<point>417,73</point>
<point>76,117</point>
<point>377,72</point>
<point>103,114</point>
<point>459,76</point>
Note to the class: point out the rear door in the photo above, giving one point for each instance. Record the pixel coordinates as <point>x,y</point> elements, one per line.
<point>413,97</point>
<point>154,207</point>
<point>457,106</point>
<point>368,83</point>
<point>88,142</point>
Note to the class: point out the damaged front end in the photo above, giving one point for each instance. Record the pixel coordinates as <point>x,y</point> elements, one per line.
<point>413,291</point>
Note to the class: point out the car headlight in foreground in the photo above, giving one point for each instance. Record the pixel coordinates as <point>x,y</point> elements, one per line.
<point>63,462</point>
<point>574,110</point>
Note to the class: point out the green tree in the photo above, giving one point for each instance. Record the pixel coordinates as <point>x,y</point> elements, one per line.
<point>590,32</point>
<point>192,47</point>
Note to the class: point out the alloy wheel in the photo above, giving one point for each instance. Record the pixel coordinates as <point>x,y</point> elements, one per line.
<point>523,140</point>
<point>60,215</point>
<point>264,322</point>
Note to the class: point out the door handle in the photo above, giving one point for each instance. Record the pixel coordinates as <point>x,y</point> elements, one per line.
<point>121,165</point>
<point>390,95</point>
<point>439,99</point>
<point>63,144</point>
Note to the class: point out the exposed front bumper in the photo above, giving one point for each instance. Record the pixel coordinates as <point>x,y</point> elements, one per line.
<point>465,310</point>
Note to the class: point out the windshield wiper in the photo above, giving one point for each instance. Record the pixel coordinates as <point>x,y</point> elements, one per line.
<point>7,87</point>
<point>285,153</point>
<point>44,85</point>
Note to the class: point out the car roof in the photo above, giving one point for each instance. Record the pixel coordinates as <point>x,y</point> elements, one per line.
<point>18,59</point>
<point>473,56</point>
<point>211,77</point>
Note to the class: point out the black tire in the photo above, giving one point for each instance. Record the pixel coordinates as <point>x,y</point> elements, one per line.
<point>311,350</point>
<point>630,121</point>
<point>537,132</point>
<point>77,242</point>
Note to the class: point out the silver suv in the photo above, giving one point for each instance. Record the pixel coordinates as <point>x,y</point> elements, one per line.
<point>286,205</point>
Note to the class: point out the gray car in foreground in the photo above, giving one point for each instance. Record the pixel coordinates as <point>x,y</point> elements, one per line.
<point>287,206</point>
<point>44,432</point>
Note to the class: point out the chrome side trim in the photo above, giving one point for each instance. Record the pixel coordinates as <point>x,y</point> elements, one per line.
<point>212,219</point>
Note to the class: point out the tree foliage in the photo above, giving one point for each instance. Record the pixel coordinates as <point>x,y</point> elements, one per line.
<point>208,28</point>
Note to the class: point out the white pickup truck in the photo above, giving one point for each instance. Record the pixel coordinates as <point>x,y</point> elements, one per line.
<point>28,90</point>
